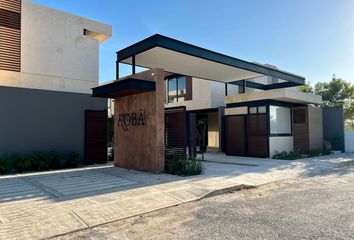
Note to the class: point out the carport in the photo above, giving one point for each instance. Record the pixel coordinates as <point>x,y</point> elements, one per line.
<point>164,57</point>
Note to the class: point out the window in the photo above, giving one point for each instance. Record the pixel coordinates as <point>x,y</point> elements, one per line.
<point>176,89</point>
<point>280,120</point>
<point>257,110</point>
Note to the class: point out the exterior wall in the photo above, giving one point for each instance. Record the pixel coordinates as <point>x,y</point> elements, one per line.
<point>236,111</point>
<point>213,130</point>
<point>333,127</point>
<point>280,144</point>
<point>349,141</point>
<point>38,120</point>
<point>315,128</point>
<point>54,44</point>
<point>55,53</point>
<point>141,147</point>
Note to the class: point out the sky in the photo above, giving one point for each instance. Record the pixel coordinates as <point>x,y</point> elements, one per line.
<point>314,39</point>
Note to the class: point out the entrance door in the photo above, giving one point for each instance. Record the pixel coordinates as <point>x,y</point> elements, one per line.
<point>95,137</point>
<point>235,135</point>
<point>257,137</point>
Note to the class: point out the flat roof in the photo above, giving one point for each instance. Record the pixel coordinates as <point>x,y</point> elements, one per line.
<point>284,95</point>
<point>125,87</point>
<point>183,58</point>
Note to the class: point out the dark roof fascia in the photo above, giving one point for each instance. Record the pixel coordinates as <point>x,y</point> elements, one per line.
<point>130,83</point>
<point>189,49</point>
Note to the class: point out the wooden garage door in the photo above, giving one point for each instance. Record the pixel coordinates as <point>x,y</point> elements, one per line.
<point>95,137</point>
<point>235,135</point>
<point>257,142</point>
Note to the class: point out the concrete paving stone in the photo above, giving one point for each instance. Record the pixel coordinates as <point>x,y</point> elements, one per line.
<point>187,193</point>
<point>74,183</point>
<point>100,213</point>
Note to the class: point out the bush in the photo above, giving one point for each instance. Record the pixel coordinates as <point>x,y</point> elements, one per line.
<point>22,163</point>
<point>39,162</point>
<point>55,160</point>
<point>297,155</point>
<point>4,166</point>
<point>73,161</point>
<point>184,166</point>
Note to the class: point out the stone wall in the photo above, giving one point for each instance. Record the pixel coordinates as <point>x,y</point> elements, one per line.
<point>140,144</point>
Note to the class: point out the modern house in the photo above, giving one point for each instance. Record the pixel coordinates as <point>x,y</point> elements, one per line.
<point>251,109</point>
<point>49,61</point>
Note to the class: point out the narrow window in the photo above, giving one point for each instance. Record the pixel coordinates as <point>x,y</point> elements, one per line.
<point>177,89</point>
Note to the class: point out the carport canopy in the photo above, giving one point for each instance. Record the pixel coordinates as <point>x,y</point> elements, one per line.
<point>177,57</point>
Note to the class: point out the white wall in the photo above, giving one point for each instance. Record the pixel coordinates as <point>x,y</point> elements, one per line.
<point>55,53</point>
<point>280,144</point>
<point>349,141</point>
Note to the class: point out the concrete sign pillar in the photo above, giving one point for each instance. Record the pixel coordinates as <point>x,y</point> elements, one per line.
<point>139,126</point>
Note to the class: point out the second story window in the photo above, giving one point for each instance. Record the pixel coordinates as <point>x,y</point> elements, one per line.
<point>177,89</point>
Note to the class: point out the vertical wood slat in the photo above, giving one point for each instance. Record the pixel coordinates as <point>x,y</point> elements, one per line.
<point>10,35</point>
<point>175,132</point>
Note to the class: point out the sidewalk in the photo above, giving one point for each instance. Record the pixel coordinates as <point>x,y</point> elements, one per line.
<point>43,205</point>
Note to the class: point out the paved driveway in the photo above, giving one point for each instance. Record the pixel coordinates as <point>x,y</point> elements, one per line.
<point>41,205</point>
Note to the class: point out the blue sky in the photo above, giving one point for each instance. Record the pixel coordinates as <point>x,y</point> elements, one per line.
<point>311,38</point>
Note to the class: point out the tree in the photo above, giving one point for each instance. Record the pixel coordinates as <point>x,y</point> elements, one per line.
<point>306,88</point>
<point>337,92</point>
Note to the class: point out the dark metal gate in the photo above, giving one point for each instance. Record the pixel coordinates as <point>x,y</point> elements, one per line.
<point>175,131</point>
<point>235,135</point>
<point>95,137</point>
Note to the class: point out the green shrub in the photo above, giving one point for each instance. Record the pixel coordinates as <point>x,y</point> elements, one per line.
<point>55,160</point>
<point>22,163</point>
<point>287,156</point>
<point>39,162</point>
<point>73,160</point>
<point>4,166</point>
<point>184,166</point>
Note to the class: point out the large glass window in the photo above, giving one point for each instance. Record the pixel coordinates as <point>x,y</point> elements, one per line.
<point>176,89</point>
<point>280,120</point>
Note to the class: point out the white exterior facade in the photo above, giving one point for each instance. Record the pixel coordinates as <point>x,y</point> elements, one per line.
<point>55,52</point>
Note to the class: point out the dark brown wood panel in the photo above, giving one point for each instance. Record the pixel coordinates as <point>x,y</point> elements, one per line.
<point>10,35</point>
<point>235,135</point>
<point>175,131</point>
<point>189,88</point>
<point>95,137</point>
<point>257,137</point>
<point>301,129</point>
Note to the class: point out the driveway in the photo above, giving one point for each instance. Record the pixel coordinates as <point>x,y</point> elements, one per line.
<point>47,204</point>
<point>319,207</point>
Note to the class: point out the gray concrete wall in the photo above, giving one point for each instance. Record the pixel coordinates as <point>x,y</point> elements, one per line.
<point>333,127</point>
<point>315,128</point>
<point>39,120</point>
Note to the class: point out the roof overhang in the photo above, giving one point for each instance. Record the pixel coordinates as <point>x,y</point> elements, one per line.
<point>125,87</point>
<point>284,95</point>
<point>179,57</point>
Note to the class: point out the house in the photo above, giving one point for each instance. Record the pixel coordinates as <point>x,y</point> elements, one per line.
<point>49,61</point>
<point>250,109</point>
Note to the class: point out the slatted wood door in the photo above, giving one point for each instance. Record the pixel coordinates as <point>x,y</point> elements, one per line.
<point>235,135</point>
<point>95,137</point>
<point>257,137</point>
<point>175,132</point>
<point>10,35</point>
